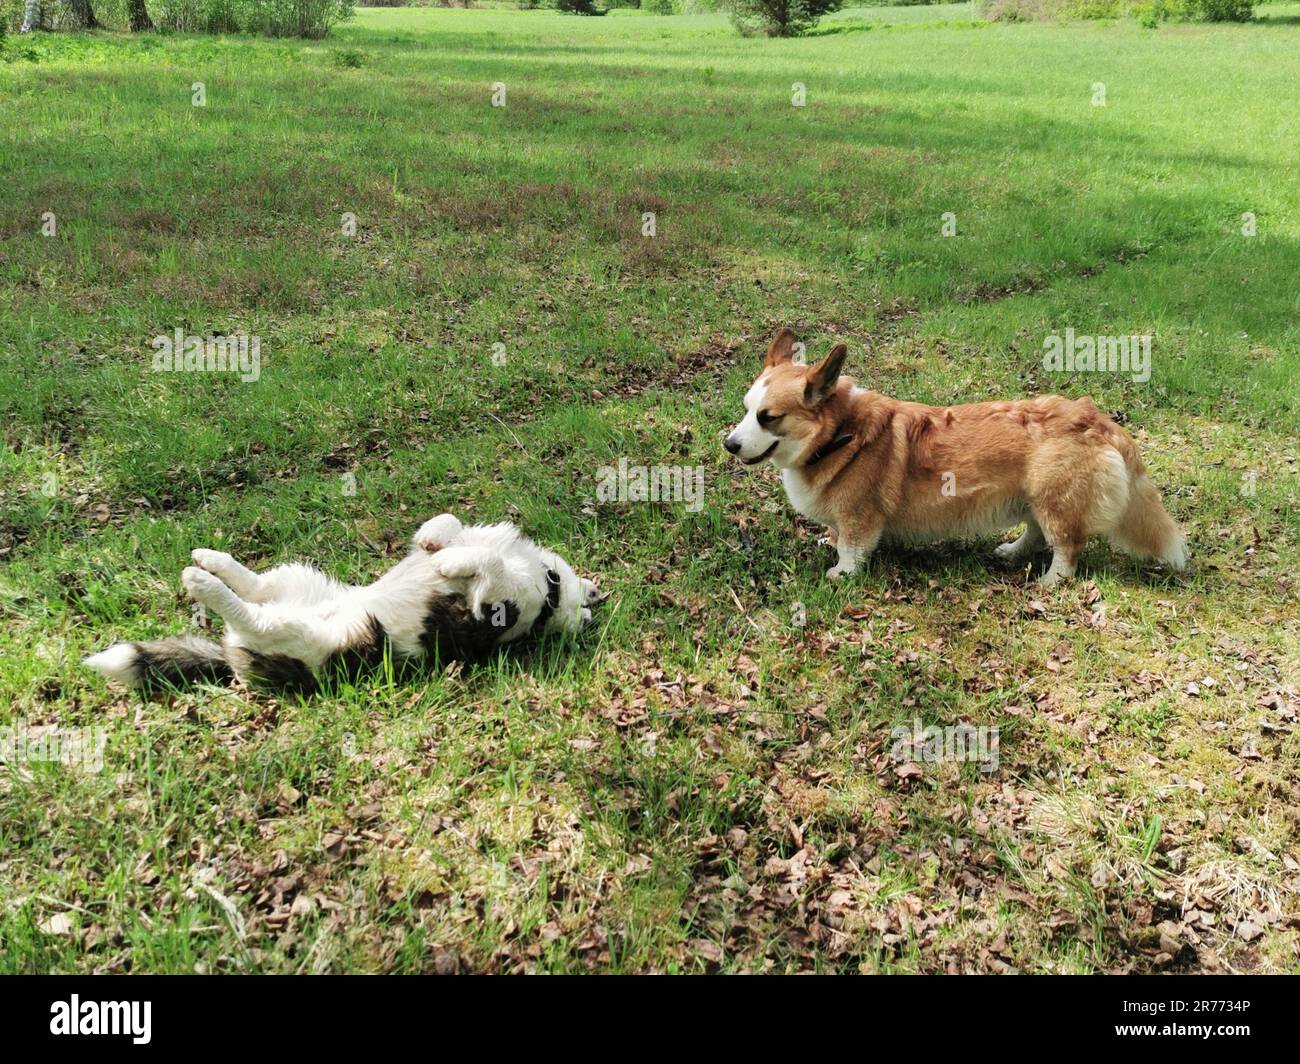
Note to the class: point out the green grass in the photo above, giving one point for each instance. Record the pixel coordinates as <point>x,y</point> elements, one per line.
<point>695,783</point>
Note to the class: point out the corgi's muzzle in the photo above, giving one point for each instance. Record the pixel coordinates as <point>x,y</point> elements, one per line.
<point>734,446</point>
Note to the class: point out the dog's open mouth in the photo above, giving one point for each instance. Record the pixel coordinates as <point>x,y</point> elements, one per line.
<point>765,454</point>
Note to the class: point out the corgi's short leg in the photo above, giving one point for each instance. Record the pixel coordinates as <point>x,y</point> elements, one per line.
<point>1064,557</point>
<point>1030,541</point>
<point>1066,532</point>
<point>854,548</point>
<point>242,581</point>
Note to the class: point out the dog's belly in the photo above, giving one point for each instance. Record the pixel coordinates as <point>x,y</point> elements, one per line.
<point>939,523</point>
<point>954,518</point>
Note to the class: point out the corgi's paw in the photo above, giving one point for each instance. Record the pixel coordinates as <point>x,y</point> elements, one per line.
<point>199,584</point>
<point>840,571</point>
<point>584,617</point>
<point>437,532</point>
<point>211,560</point>
<point>1010,552</point>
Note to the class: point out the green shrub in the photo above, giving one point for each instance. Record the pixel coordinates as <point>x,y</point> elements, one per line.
<point>195,16</point>
<point>780,18</point>
<point>661,7</point>
<point>578,7</point>
<point>1149,12</point>
<point>1022,10</point>
<point>1221,10</point>
<point>1096,9</point>
<point>292,18</point>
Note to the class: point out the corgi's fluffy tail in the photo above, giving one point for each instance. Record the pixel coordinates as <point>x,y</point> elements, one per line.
<point>1146,529</point>
<point>177,662</point>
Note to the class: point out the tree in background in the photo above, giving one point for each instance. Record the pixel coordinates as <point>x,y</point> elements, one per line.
<point>578,7</point>
<point>780,18</point>
<point>139,15</point>
<point>83,15</point>
<point>31,16</point>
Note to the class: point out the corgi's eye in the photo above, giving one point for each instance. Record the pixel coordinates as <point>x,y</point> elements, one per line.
<point>766,417</point>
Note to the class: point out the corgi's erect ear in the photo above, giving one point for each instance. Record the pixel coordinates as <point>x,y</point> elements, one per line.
<point>822,377</point>
<point>781,349</point>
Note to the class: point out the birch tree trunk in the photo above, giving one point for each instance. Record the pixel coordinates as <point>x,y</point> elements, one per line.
<point>31,16</point>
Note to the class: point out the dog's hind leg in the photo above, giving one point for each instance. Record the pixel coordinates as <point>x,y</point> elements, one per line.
<point>206,588</point>
<point>1064,557</point>
<point>274,629</point>
<point>1030,540</point>
<point>242,581</point>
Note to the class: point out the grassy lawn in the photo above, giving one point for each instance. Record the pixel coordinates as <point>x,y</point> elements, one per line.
<point>698,782</point>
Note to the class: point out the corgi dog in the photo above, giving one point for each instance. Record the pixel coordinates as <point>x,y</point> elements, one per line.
<point>461,591</point>
<point>869,466</point>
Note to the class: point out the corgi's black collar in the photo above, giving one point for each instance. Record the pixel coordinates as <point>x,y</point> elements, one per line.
<point>838,440</point>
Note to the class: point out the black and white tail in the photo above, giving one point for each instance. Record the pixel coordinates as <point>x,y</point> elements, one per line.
<point>178,662</point>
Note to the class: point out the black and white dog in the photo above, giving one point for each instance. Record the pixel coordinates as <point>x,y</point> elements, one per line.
<point>460,592</point>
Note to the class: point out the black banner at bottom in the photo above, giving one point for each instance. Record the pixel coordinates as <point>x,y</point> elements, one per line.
<point>334,1013</point>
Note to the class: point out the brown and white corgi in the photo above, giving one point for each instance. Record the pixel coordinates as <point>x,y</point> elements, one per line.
<point>869,466</point>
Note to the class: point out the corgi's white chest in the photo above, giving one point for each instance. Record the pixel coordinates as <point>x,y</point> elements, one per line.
<point>801,497</point>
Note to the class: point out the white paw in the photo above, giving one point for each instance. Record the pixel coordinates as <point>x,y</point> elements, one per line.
<point>211,560</point>
<point>199,584</point>
<point>838,572</point>
<point>456,566</point>
<point>584,616</point>
<point>1051,578</point>
<point>1008,551</point>
<point>437,532</point>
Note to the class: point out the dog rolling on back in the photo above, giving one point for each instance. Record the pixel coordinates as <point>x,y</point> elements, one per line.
<point>872,467</point>
<point>460,592</point>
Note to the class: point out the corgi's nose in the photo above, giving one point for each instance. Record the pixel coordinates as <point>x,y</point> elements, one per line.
<point>732,445</point>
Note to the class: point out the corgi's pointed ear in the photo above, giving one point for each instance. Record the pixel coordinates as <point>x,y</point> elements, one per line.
<point>822,377</point>
<point>781,349</point>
